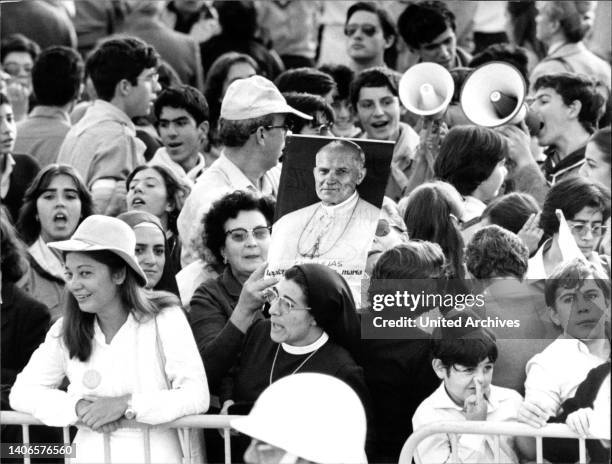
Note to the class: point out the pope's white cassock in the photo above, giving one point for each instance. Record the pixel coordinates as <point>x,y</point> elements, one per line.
<point>337,235</point>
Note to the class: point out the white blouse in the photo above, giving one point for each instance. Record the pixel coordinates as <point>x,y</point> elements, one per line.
<point>128,364</point>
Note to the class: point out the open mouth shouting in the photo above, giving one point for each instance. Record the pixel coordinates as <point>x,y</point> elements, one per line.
<point>138,202</point>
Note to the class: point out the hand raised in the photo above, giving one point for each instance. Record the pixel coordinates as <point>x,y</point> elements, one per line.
<point>252,297</point>
<point>475,406</point>
<point>531,233</point>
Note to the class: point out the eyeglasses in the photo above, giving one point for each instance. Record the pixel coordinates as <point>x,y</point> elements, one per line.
<point>368,29</point>
<point>581,228</point>
<point>284,303</point>
<point>240,234</point>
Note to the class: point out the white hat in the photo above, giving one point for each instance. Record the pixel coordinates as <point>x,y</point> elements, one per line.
<point>316,417</point>
<point>97,233</point>
<point>254,97</point>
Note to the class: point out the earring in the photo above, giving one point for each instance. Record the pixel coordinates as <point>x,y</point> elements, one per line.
<point>225,260</point>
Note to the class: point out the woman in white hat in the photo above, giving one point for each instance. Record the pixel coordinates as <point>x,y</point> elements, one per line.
<point>327,425</point>
<point>128,354</point>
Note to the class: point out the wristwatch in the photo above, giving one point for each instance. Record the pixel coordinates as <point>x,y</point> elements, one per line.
<point>129,413</point>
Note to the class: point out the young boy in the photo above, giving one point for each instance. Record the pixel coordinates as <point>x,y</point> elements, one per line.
<point>182,121</point>
<point>578,299</point>
<point>103,146</point>
<point>463,358</point>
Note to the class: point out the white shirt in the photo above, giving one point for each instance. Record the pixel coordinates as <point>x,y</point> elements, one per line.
<point>554,374</point>
<point>128,364</point>
<point>162,158</point>
<point>473,208</point>
<point>5,177</point>
<point>220,178</point>
<point>435,449</point>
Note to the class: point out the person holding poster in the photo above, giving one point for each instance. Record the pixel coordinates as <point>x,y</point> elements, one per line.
<point>338,230</point>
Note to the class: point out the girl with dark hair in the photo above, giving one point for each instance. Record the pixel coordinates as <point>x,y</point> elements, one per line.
<point>225,70</point>
<point>128,354</point>
<point>157,190</point>
<point>433,213</point>
<point>54,205</point>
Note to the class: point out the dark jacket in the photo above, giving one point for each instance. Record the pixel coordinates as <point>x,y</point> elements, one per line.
<point>24,172</point>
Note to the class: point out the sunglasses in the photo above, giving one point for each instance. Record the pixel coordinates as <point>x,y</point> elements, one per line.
<point>368,29</point>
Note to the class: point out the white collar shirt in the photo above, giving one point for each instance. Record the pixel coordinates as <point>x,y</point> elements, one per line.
<point>554,374</point>
<point>503,404</point>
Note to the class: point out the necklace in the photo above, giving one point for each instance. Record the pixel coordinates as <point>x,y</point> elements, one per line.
<point>314,251</point>
<point>297,369</point>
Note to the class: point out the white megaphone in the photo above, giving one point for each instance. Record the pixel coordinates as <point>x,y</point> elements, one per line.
<point>426,89</point>
<point>494,95</point>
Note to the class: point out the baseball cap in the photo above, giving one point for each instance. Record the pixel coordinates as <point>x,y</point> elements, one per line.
<point>255,97</point>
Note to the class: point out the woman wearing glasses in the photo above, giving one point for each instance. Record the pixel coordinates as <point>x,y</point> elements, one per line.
<point>585,205</point>
<point>313,327</point>
<point>236,240</point>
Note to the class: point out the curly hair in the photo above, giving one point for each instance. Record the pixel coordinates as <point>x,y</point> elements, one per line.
<point>228,207</point>
<point>496,252</point>
<point>12,251</point>
<point>27,224</point>
<point>176,191</point>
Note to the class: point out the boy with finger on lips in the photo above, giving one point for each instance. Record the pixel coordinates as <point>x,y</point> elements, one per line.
<point>463,357</point>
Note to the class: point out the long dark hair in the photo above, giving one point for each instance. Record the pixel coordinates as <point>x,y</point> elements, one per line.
<point>176,191</point>
<point>78,328</point>
<point>429,216</point>
<point>27,224</point>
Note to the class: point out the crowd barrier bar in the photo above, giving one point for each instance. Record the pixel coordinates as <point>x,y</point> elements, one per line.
<point>455,428</point>
<point>185,423</point>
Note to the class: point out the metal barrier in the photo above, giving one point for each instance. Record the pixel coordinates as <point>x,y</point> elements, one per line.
<point>455,428</point>
<point>184,423</point>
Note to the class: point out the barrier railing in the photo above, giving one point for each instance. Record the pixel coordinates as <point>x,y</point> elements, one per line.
<point>184,423</point>
<point>455,428</point>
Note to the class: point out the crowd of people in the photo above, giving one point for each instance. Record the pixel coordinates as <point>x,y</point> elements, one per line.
<point>142,154</point>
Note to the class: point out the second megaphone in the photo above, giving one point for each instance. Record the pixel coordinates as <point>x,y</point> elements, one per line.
<point>426,89</point>
<point>494,95</point>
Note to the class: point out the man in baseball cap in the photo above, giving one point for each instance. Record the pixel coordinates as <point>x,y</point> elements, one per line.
<point>252,130</point>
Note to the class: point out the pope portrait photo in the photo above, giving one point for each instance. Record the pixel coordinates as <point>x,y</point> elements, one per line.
<point>338,229</point>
